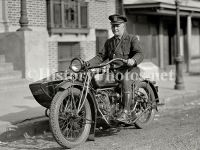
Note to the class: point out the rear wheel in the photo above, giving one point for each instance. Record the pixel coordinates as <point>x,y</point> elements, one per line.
<point>144,98</point>
<point>69,128</point>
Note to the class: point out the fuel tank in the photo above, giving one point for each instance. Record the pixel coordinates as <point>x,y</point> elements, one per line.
<point>104,80</point>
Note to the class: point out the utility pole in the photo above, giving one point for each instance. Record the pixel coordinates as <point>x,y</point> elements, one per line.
<point>179,83</point>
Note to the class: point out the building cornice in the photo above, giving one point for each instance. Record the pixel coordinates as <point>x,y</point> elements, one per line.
<point>160,8</point>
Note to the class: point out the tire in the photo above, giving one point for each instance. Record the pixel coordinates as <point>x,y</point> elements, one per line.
<point>145,87</point>
<point>70,123</point>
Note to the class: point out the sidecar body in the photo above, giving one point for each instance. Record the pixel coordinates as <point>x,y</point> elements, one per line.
<point>44,90</point>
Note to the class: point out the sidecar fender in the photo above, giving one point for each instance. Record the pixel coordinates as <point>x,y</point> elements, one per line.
<point>91,98</point>
<point>154,88</point>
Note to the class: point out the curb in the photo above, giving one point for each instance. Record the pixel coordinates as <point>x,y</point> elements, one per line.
<point>179,100</point>
<point>20,129</point>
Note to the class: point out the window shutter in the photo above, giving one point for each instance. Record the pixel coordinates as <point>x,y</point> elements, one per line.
<point>57,15</point>
<point>84,14</point>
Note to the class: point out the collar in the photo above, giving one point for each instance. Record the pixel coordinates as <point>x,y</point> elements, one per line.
<point>123,36</point>
<point>117,37</point>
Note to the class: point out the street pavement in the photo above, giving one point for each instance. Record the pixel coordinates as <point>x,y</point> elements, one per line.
<point>20,113</point>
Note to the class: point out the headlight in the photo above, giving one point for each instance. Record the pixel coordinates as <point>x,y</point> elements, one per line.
<point>76,65</point>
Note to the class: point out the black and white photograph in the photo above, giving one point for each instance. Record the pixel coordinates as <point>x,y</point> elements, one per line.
<point>100,74</point>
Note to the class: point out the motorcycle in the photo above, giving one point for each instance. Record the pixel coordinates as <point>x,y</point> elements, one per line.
<point>84,101</point>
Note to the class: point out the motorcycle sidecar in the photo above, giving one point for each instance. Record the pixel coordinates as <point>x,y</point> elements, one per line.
<point>44,90</point>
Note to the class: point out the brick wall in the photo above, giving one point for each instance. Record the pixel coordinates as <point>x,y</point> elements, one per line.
<point>76,49</point>
<point>13,12</point>
<point>83,49</point>
<point>88,49</point>
<point>36,10</point>
<point>111,8</point>
<point>99,10</point>
<point>53,56</point>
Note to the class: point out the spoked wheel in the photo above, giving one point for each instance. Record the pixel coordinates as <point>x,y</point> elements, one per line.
<point>144,97</point>
<point>69,128</point>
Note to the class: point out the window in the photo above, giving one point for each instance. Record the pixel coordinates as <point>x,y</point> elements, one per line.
<point>67,16</point>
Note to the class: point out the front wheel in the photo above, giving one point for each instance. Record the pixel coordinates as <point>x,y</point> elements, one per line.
<point>144,99</point>
<point>69,128</point>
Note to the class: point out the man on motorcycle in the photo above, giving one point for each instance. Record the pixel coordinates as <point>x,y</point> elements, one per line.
<point>126,46</point>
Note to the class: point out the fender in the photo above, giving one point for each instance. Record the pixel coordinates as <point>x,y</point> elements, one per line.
<point>155,90</point>
<point>66,84</point>
<point>91,98</point>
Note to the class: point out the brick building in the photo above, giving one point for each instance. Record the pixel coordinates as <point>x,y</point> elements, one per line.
<point>61,30</point>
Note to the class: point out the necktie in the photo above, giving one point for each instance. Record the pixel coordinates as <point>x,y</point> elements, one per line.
<point>116,41</point>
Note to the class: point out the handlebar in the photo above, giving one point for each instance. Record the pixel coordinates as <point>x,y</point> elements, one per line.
<point>103,65</point>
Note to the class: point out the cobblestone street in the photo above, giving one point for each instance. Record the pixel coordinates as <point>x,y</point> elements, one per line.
<point>173,128</point>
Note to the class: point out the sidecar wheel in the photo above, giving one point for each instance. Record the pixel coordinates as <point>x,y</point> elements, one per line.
<point>69,129</point>
<point>145,93</point>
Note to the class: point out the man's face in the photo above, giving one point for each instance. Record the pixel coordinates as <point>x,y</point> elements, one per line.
<point>118,29</point>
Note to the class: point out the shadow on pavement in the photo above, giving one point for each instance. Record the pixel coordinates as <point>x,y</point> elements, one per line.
<point>55,148</point>
<point>107,132</point>
<point>30,132</point>
<point>36,135</point>
<point>30,128</point>
<point>25,113</point>
<point>112,131</point>
<point>28,112</point>
<point>194,73</point>
<point>32,121</point>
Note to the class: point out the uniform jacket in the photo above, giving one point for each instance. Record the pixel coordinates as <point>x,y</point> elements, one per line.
<point>129,47</point>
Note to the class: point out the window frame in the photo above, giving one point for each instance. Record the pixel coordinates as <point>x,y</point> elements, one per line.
<point>78,29</point>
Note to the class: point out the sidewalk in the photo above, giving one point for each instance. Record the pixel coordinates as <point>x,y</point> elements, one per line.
<point>172,98</point>
<point>20,113</point>
<point>17,106</point>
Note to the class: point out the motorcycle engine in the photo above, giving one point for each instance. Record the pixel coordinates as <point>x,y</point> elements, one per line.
<point>107,102</point>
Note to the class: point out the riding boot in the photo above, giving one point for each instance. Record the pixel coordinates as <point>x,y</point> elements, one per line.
<point>124,115</point>
<point>126,98</point>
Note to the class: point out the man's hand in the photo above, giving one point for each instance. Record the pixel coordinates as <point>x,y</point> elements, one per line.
<point>131,62</point>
